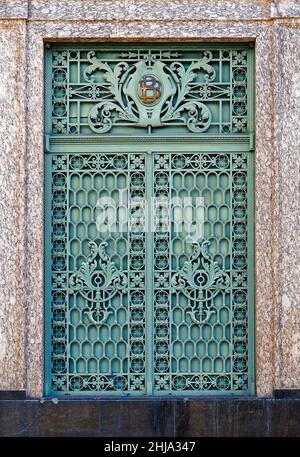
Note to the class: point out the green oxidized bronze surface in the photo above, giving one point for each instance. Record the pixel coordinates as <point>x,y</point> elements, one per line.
<point>134,304</point>
<point>96,91</point>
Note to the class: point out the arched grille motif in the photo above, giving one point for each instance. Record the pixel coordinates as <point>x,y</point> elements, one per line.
<point>149,220</point>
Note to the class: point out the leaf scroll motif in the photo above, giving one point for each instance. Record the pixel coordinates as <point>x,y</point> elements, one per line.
<point>121,104</point>
<point>200,280</point>
<point>187,76</point>
<point>115,77</point>
<point>98,280</point>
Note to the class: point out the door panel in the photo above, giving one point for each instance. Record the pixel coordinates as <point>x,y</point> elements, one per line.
<point>98,279</point>
<point>200,273</point>
<point>149,272</point>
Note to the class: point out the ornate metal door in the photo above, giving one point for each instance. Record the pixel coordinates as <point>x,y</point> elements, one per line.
<point>149,220</point>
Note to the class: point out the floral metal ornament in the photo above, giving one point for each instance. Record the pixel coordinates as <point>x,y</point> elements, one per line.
<point>149,94</point>
<point>200,280</point>
<point>98,281</point>
<point>96,91</point>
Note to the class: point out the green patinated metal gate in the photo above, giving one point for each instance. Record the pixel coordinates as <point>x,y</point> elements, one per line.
<point>149,219</point>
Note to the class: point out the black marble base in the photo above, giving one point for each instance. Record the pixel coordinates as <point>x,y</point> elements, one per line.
<point>206,417</point>
<point>287,393</point>
<point>12,395</point>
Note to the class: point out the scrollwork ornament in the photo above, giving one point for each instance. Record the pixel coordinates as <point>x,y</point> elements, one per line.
<point>200,280</point>
<point>149,88</point>
<point>98,281</point>
<point>126,102</point>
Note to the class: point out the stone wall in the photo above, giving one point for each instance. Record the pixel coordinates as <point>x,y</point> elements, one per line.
<point>274,27</point>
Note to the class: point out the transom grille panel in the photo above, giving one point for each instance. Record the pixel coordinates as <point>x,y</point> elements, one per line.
<point>175,89</point>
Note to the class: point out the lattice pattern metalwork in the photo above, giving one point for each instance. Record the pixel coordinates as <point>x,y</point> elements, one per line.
<point>200,305</point>
<point>200,289</point>
<point>149,240</point>
<point>98,285</point>
<point>182,90</point>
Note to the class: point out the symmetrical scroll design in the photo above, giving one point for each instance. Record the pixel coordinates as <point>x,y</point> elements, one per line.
<point>98,281</point>
<point>200,280</point>
<point>96,91</point>
<point>175,84</point>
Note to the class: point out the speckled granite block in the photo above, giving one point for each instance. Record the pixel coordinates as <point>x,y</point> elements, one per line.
<point>265,181</point>
<point>14,9</point>
<point>12,205</point>
<point>144,10</point>
<point>149,10</point>
<point>34,212</point>
<point>287,131</point>
<point>285,8</point>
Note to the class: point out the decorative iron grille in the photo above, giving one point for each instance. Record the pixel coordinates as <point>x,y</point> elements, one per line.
<point>117,91</point>
<point>144,294</point>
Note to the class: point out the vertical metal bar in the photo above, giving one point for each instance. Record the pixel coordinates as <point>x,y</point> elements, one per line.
<point>231,88</point>
<point>251,272</point>
<point>170,236</point>
<point>128,315</point>
<point>220,102</point>
<point>47,275</point>
<point>250,92</point>
<point>78,115</point>
<point>68,74</point>
<point>48,90</point>
<point>78,63</point>
<point>47,228</point>
<point>68,255</point>
<point>251,221</point>
<point>149,274</point>
<point>230,174</point>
